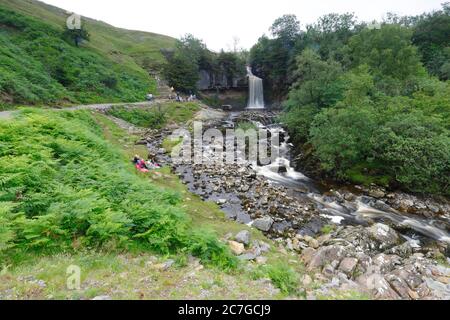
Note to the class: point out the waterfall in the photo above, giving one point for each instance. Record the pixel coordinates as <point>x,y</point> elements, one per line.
<point>255,96</point>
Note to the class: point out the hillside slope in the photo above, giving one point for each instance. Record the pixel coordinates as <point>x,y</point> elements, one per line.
<point>39,67</point>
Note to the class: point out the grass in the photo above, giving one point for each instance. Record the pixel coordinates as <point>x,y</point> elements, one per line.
<point>39,67</point>
<point>157,116</point>
<point>327,229</point>
<point>134,49</point>
<point>283,277</point>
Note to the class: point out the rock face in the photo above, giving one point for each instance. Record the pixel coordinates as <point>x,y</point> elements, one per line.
<point>263,224</point>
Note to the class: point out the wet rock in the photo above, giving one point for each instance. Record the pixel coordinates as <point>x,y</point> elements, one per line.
<point>377,193</point>
<point>243,237</point>
<point>236,247</point>
<point>440,290</point>
<point>281,227</point>
<point>384,235</point>
<point>243,218</point>
<point>263,224</point>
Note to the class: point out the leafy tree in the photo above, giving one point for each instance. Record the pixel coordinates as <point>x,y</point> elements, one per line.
<point>181,72</point>
<point>286,28</point>
<point>317,86</point>
<point>432,36</point>
<point>330,34</point>
<point>231,64</point>
<point>388,52</point>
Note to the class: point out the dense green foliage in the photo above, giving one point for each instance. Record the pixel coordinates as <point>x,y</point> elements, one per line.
<point>366,106</point>
<point>183,66</point>
<point>40,63</point>
<point>63,187</point>
<point>77,35</point>
<point>432,37</point>
<point>157,116</point>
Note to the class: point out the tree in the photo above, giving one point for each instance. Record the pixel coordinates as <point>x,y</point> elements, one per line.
<point>286,28</point>
<point>391,57</point>
<point>432,36</point>
<point>181,72</point>
<point>317,86</point>
<point>231,64</point>
<point>329,35</point>
<point>77,35</point>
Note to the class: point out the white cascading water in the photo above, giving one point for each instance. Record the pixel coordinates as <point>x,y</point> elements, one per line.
<point>256,94</point>
<point>356,210</point>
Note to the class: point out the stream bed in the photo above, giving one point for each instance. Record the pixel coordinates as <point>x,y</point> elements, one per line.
<point>363,239</point>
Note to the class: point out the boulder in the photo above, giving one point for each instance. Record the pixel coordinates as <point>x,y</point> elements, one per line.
<point>384,235</point>
<point>348,265</point>
<point>377,285</point>
<point>236,247</point>
<point>326,255</point>
<point>243,237</point>
<point>263,224</point>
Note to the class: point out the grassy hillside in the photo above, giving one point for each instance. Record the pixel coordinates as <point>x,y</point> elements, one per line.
<point>64,188</point>
<point>39,67</point>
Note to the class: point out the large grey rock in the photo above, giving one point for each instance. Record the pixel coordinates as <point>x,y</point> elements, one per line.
<point>326,255</point>
<point>263,224</point>
<point>348,265</point>
<point>384,235</point>
<point>243,237</point>
<point>377,285</point>
<point>386,262</point>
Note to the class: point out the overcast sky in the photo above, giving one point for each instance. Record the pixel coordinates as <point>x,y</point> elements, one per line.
<point>218,22</point>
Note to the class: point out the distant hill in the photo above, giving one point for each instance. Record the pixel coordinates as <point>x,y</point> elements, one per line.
<point>37,66</point>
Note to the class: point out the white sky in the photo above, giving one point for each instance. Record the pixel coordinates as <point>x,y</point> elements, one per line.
<point>218,22</point>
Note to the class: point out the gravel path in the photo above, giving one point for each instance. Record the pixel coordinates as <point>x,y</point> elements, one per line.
<point>9,114</point>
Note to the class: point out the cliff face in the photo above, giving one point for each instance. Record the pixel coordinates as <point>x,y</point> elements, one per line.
<point>211,80</point>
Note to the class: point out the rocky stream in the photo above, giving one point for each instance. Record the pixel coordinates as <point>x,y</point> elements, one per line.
<point>391,245</point>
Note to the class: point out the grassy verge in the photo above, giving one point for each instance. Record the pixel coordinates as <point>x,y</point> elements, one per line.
<point>158,115</point>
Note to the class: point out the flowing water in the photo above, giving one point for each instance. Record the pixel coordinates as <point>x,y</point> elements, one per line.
<point>256,94</point>
<point>362,210</point>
